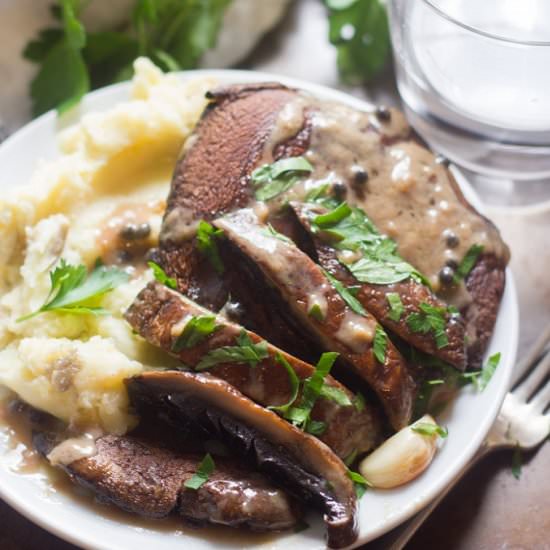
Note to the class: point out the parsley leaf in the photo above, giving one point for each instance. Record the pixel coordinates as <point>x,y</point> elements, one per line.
<point>273,179</point>
<point>294,385</point>
<point>316,427</point>
<point>341,212</point>
<point>196,330</point>
<point>359,30</point>
<point>161,276</point>
<point>482,379</point>
<point>380,344</point>
<point>173,33</point>
<point>396,306</point>
<point>430,318</point>
<point>200,477</point>
<point>359,402</point>
<point>206,244</point>
<point>350,229</point>
<point>335,394</point>
<point>468,262</point>
<point>299,415</point>
<point>72,289</point>
<point>361,484</point>
<point>346,295</point>
<point>429,429</point>
<point>244,352</point>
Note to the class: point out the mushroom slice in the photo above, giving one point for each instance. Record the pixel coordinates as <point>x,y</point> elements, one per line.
<point>374,297</point>
<point>312,299</point>
<point>145,474</point>
<point>162,316</point>
<point>290,457</point>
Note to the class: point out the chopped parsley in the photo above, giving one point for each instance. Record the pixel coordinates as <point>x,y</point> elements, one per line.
<point>380,344</point>
<point>318,193</point>
<point>468,262</point>
<point>349,460</point>
<point>245,351</point>
<point>161,276</point>
<point>429,429</point>
<point>361,484</point>
<point>272,232</point>
<point>271,180</point>
<point>481,379</point>
<point>349,228</point>
<point>316,312</point>
<point>73,290</point>
<point>396,306</point>
<point>341,212</point>
<point>359,402</point>
<point>335,394</point>
<point>206,244</point>
<point>299,415</point>
<point>316,427</point>
<point>294,385</point>
<point>430,319</point>
<point>197,329</point>
<point>200,477</point>
<point>346,295</point>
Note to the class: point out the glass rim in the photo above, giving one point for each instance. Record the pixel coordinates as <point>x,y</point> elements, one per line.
<point>482,32</point>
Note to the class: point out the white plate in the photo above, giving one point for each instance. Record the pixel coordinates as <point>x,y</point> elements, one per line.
<point>469,418</point>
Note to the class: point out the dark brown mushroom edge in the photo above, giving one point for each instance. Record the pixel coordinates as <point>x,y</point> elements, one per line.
<point>295,227</point>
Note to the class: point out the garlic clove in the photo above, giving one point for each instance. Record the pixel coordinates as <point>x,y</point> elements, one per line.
<point>401,458</point>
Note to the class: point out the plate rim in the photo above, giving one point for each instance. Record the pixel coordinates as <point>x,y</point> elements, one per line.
<point>84,540</point>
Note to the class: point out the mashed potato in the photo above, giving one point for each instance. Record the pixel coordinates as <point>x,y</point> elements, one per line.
<point>115,168</point>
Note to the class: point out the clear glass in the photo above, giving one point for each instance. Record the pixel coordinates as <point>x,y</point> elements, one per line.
<point>474,76</point>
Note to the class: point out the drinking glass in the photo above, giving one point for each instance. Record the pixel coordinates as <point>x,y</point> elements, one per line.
<point>474,76</point>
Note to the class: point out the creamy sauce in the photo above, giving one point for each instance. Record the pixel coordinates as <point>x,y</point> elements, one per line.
<point>129,232</point>
<point>399,184</point>
<point>74,448</point>
<point>179,225</point>
<point>356,332</point>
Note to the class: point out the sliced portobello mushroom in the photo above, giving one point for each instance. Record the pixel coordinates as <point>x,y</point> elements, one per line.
<point>290,457</point>
<point>320,309</point>
<point>145,473</point>
<point>375,298</point>
<point>211,178</point>
<point>164,318</point>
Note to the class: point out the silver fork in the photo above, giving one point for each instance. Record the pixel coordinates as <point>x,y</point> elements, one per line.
<point>521,422</point>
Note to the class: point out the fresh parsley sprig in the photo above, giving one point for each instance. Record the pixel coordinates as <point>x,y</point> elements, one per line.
<point>173,33</point>
<point>203,473</point>
<point>246,351</point>
<point>72,290</point>
<point>271,180</point>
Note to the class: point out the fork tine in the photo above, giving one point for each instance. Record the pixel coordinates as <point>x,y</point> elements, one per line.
<point>536,376</point>
<point>541,400</point>
<point>523,366</point>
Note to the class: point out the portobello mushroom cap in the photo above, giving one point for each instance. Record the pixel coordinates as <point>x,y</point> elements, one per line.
<point>292,458</point>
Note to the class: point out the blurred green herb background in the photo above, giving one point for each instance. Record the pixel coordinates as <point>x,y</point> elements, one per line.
<point>175,34</point>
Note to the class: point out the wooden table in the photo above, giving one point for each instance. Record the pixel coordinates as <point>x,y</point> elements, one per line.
<point>489,509</point>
